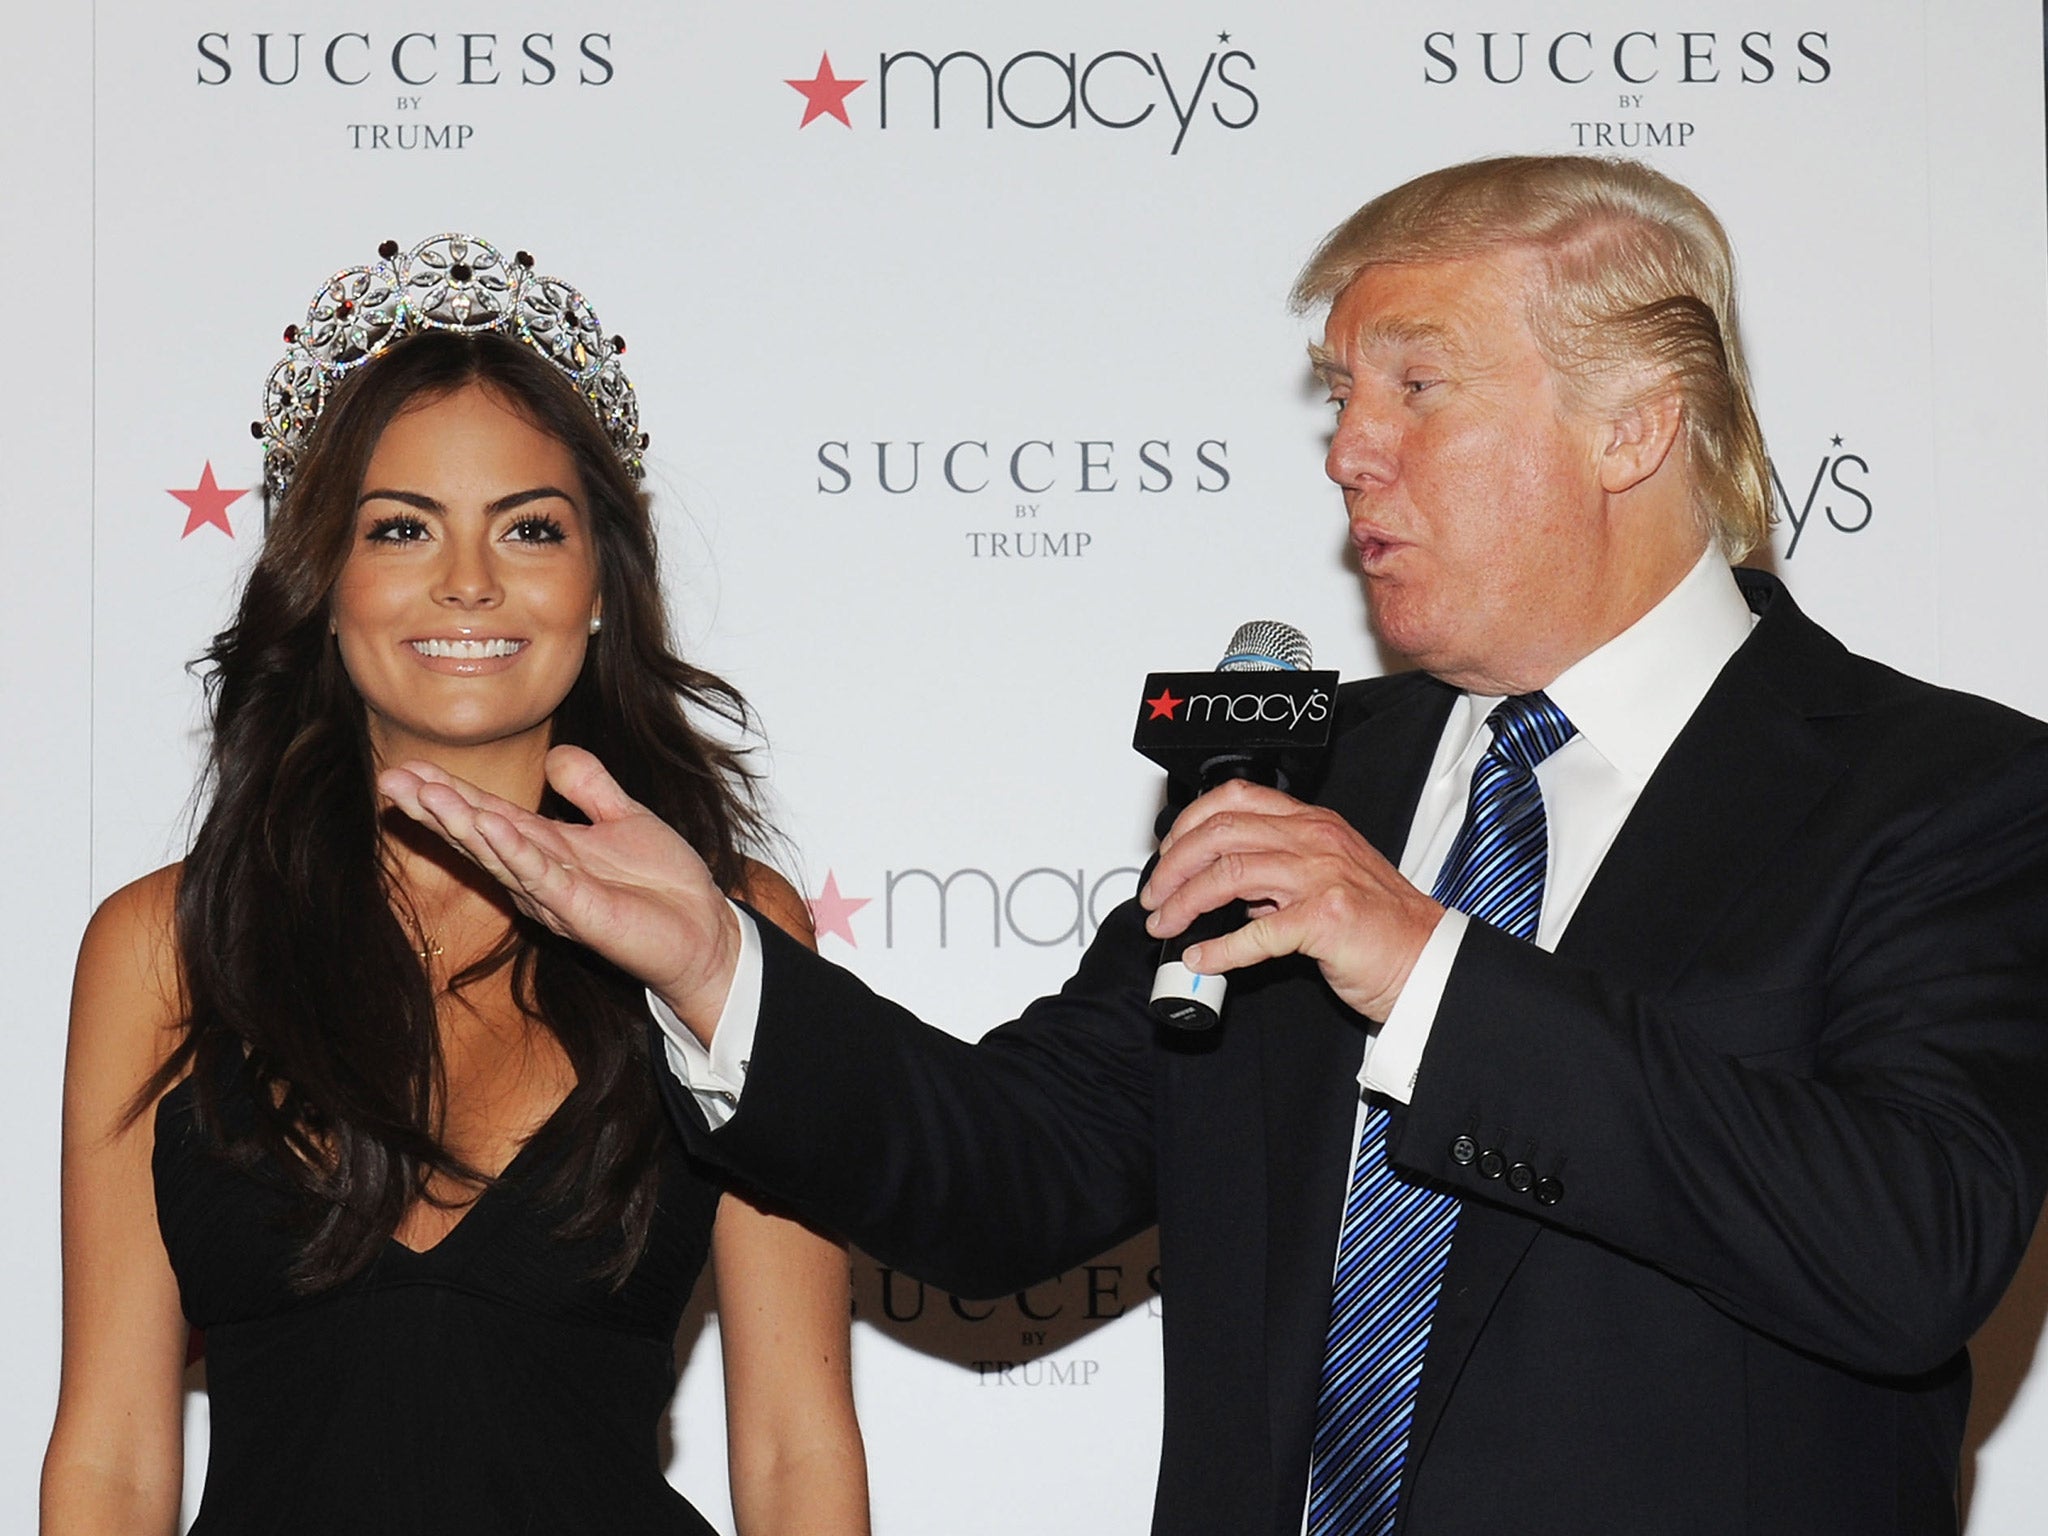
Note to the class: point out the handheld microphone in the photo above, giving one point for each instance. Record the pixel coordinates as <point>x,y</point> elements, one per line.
<point>1262,715</point>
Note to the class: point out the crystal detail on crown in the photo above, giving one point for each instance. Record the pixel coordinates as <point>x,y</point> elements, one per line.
<point>448,282</point>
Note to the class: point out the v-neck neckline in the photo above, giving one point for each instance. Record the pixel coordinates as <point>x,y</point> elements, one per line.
<point>504,1176</point>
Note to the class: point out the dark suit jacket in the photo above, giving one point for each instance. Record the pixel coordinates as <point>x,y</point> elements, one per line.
<point>1744,1162</point>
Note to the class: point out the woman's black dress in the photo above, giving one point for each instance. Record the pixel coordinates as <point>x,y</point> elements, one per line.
<point>487,1385</point>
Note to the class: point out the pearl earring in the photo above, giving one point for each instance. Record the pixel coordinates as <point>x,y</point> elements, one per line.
<point>596,623</point>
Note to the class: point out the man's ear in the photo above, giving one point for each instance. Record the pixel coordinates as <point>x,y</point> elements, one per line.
<point>1639,439</point>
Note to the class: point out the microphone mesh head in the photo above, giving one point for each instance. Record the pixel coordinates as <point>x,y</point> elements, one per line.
<point>1267,645</point>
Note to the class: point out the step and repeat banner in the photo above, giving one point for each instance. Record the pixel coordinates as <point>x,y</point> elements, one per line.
<point>962,340</point>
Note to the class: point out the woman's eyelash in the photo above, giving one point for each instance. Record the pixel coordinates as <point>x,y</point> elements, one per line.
<point>535,528</point>
<point>539,528</point>
<point>385,528</point>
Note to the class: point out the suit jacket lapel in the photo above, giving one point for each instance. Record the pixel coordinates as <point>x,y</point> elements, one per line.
<point>1745,770</point>
<point>1311,1048</point>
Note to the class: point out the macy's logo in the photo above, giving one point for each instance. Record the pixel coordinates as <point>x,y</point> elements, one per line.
<point>1042,907</point>
<point>1118,90</point>
<point>1241,708</point>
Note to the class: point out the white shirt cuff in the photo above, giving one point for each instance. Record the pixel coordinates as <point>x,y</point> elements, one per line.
<point>1396,1054</point>
<point>718,1075</point>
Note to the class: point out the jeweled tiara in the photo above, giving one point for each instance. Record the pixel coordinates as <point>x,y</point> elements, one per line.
<point>445,283</point>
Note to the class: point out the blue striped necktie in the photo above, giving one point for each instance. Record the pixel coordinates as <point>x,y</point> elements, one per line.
<point>1396,1236</point>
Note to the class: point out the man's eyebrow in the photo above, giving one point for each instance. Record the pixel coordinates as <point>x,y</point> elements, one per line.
<point>1398,331</point>
<point>1387,334</point>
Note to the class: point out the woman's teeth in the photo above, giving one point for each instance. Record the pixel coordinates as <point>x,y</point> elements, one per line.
<point>467,650</point>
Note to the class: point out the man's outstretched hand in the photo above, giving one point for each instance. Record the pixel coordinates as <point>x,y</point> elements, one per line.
<point>626,885</point>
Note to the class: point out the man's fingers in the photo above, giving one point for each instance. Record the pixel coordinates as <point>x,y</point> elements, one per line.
<point>413,774</point>
<point>542,884</point>
<point>1263,938</point>
<point>524,863</point>
<point>1221,837</point>
<point>1183,854</point>
<point>401,786</point>
<point>1261,875</point>
<point>1237,795</point>
<point>413,777</point>
<point>443,809</point>
<point>583,781</point>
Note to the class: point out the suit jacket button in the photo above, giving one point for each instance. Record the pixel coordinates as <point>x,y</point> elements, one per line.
<point>1491,1164</point>
<point>1521,1178</point>
<point>1548,1191</point>
<point>1463,1150</point>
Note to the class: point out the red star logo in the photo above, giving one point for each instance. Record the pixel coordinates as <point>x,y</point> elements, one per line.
<point>825,93</point>
<point>1164,706</point>
<point>833,913</point>
<point>208,502</point>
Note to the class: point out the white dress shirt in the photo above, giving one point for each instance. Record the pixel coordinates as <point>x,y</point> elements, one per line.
<point>1629,700</point>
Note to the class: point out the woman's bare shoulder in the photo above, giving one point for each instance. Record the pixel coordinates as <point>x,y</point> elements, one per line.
<point>777,900</point>
<point>127,995</point>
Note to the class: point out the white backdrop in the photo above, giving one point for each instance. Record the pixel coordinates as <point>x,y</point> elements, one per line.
<point>968,409</point>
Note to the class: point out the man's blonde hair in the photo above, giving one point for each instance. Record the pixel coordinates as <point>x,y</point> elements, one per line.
<point>1639,280</point>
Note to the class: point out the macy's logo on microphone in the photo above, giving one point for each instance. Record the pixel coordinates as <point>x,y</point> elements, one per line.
<point>1286,709</point>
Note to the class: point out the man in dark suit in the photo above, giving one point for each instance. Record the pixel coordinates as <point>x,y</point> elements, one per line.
<point>1634,1089</point>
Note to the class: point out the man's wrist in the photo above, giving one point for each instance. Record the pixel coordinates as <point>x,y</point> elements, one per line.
<point>700,1008</point>
<point>713,1065</point>
<point>1393,1063</point>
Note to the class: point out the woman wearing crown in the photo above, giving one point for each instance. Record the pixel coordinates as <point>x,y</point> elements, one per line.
<point>396,1149</point>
